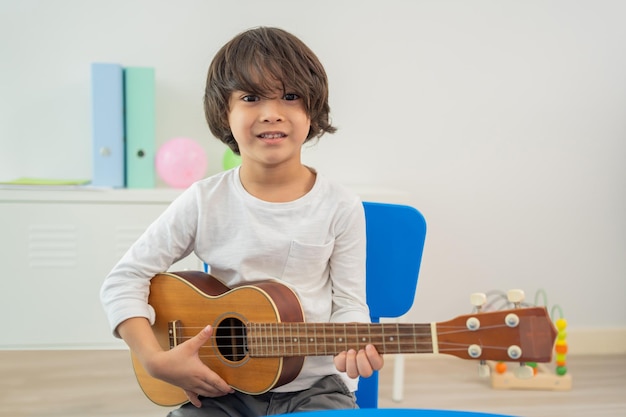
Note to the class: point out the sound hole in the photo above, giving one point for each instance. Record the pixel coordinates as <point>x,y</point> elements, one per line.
<point>231,339</point>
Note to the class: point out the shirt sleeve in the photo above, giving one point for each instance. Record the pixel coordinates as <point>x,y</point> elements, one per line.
<point>124,293</point>
<point>347,268</point>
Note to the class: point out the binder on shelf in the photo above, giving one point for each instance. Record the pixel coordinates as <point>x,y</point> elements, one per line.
<point>107,103</point>
<point>140,117</point>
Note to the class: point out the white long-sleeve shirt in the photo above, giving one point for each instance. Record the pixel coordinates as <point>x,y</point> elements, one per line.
<point>315,245</point>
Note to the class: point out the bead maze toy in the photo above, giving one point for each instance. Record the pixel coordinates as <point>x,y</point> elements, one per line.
<point>534,376</point>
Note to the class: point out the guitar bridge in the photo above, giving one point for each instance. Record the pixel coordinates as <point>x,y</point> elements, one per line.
<point>174,329</point>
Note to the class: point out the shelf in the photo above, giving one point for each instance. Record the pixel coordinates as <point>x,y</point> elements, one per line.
<point>88,194</point>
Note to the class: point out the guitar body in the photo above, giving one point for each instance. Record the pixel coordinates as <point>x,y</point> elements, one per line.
<point>186,302</point>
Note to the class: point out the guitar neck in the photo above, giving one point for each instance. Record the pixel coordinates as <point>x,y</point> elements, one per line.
<point>323,339</point>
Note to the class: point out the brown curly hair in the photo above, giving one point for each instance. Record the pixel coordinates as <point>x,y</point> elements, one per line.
<point>254,61</point>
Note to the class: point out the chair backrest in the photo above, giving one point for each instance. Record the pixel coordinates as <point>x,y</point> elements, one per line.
<point>395,242</point>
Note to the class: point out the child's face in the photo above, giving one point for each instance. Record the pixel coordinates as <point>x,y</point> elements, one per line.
<point>269,130</point>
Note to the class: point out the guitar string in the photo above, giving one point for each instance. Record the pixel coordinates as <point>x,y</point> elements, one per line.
<point>312,326</point>
<point>461,348</point>
<point>289,342</point>
<point>311,329</point>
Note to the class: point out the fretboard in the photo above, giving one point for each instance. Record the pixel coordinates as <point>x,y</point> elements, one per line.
<point>321,339</point>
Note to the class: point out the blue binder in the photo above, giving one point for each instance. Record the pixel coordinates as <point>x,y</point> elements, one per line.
<point>107,98</point>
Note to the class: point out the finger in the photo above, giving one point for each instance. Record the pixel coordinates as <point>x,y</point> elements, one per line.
<point>222,387</point>
<point>340,362</point>
<point>363,364</point>
<point>194,344</point>
<point>193,398</point>
<point>210,391</point>
<point>215,386</point>
<point>376,360</point>
<point>201,338</point>
<point>351,365</point>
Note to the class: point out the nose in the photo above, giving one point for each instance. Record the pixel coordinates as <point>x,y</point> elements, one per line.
<point>271,111</point>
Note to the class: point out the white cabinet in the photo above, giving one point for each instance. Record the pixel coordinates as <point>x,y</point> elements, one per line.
<point>57,248</point>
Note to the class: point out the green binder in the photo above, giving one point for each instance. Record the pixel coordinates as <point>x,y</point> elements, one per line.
<point>140,118</point>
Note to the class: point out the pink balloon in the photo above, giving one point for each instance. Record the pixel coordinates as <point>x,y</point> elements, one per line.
<point>180,162</point>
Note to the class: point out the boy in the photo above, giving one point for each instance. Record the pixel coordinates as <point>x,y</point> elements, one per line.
<point>272,217</point>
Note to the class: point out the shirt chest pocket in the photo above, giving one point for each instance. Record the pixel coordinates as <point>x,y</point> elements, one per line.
<point>307,265</point>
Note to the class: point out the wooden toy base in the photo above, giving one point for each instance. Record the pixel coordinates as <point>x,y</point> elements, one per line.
<point>544,379</point>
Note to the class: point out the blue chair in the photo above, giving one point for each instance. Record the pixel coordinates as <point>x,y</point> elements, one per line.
<point>395,242</point>
<point>391,412</point>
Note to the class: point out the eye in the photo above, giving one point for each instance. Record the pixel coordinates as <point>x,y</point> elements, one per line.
<point>291,96</point>
<point>250,98</point>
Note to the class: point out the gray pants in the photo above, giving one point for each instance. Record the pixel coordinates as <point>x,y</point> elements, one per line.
<point>329,393</point>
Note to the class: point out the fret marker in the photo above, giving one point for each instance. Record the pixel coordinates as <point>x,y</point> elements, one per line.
<point>391,339</point>
<point>341,339</point>
<point>295,340</point>
<point>311,340</point>
<point>364,339</point>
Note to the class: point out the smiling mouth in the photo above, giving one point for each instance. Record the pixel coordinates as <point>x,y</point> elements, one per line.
<point>272,135</point>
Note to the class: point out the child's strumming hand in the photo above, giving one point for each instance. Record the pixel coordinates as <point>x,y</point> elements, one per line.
<point>182,367</point>
<point>362,363</point>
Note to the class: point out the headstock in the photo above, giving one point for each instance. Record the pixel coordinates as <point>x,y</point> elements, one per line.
<point>519,335</point>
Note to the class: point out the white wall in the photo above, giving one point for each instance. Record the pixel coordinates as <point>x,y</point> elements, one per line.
<point>503,120</point>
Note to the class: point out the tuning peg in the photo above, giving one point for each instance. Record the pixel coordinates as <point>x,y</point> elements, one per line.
<point>524,371</point>
<point>483,370</point>
<point>515,296</point>
<point>478,299</point>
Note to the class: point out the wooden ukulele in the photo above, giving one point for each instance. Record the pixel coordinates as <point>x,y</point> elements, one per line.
<point>260,339</point>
